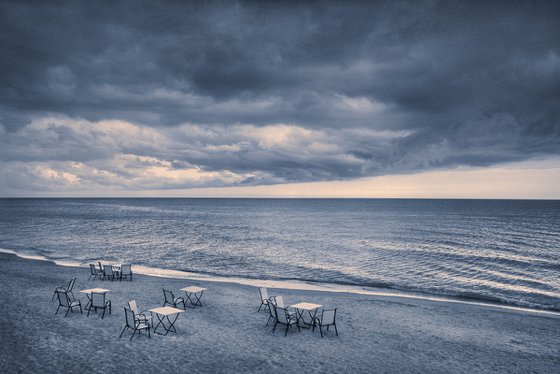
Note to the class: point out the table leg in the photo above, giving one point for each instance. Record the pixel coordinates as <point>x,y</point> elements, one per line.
<point>189,303</point>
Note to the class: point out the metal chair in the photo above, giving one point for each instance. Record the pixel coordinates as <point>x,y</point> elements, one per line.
<point>101,271</point>
<point>328,318</point>
<point>265,299</point>
<point>134,323</point>
<point>94,272</point>
<point>272,317</point>
<point>142,316</point>
<point>64,301</point>
<point>279,302</point>
<point>284,318</point>
<point>98,302</point>
<point>126,271</point>
<point>170,299</point>
<point>109,272</point>
<point>67,289</point>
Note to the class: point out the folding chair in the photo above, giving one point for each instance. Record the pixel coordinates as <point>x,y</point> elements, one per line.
<point>284,318</point>
<point>272,316</point>
<point>101,271</point>
<point>126,271</point>
<point>170,299</point>
<point>142,316</point>
<point>265,299</point>
<point>279,302</point>
<point>94,272</point>
<point>67,289</point>
<point>328,318</point>
<point>134,323</point>
<point>109,272</point>
<point>98,302</point>
<point>64,301</point>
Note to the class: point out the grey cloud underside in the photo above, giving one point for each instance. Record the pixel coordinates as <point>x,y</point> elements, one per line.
<point>461,83</point>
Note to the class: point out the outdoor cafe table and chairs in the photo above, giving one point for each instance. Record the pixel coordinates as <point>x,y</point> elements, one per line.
<point>88,293</point>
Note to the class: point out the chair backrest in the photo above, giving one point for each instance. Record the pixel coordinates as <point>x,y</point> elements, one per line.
<point>328,316</point>
<point>279,301</point>
<point>263,292</point>
<point>108,270</point>
<point>132,305</point>
<point>272,310</point>
<point>281,314</point>
<point>63,299</point>
<point>97,299</point>
<point>100,266</point>
<point>169,298</point>
<point>71,285</point>
<point>92,269</point>
<point>126,269</point>
<point>129,316</point>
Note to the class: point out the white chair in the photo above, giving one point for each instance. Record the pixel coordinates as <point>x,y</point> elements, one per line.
<point>126,271</point>
<point>134,324</point>
<point>279,302</point>
<point>265,299</point>
<point>141,316</point>
<point>328,318</point>
<point>109,272</point>
<point>283,317</point>
<point>64,301</point>
<point>98,302</point>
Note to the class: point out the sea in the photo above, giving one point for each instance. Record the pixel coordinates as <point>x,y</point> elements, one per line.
<point>498,251</point>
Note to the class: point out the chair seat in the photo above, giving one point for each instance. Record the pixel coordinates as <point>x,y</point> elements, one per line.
<point>143,326</point>
<point>74,303</point>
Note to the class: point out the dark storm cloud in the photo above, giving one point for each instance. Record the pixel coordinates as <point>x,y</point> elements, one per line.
<point>381,87</point>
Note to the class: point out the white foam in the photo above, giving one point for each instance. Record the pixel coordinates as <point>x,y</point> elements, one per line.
<point>290,285</point>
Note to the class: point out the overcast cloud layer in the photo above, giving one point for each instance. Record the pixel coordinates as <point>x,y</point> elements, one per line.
<point>166,95</point>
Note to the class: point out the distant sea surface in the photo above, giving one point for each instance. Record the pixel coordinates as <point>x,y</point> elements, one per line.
<point>491,250</point>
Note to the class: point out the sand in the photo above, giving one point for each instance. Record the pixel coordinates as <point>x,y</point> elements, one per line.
<point>377,334</point>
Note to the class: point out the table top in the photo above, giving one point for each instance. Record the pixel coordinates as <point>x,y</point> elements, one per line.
<point>96,290</point>
<point>193,289</point>
<point>166,310</point>
<point>306,306</point>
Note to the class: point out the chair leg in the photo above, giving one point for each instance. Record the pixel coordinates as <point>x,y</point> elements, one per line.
<point>274,327</point>
<point>67,310</point>
<point>335,329</point>
<point>122,332</point>
<point>286,332</point>
<point>132,335</point>
<point>321,330</point>
<point>57,310</point>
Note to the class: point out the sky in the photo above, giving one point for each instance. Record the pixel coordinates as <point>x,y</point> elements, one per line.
<point>423,99</point>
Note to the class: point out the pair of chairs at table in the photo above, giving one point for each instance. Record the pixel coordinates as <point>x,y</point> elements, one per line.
<point>110,272</point>
<point>280,314</point>
<point>68,301</point>
<point>141,320</point>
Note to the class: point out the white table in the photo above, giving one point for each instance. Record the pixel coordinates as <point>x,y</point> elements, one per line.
<point>163,313</point>
<point>89,291</point>
<point>194,294</point>
<point>310,308</point>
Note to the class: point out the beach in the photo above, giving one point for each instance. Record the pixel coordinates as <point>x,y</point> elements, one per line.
<point>384,334</point>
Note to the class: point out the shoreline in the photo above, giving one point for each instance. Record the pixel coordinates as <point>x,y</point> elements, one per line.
<point>296,285</point>
<point>228,335</point>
